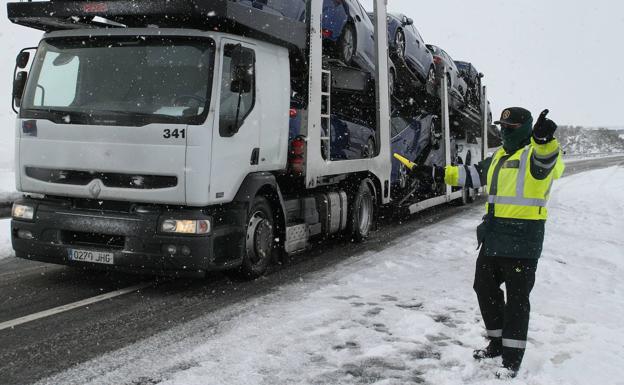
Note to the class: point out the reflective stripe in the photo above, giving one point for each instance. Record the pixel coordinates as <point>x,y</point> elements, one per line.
<point>518,344</point>
<point>461,181</point>
<point>495,333</point>
<point>540,156</point>
<point>474,174</point>
<point>522,172</point>
<point>541,164</point>
<point>518,201</point>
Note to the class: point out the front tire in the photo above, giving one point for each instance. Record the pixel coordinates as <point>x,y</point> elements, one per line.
<point>361,213</point>
<point>399,43</point>
<point>259,240</point>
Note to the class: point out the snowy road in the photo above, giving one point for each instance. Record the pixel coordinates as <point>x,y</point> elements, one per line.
<point>398,309</point>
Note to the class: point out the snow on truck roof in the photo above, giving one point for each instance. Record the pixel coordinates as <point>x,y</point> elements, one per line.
<point>216,15</point>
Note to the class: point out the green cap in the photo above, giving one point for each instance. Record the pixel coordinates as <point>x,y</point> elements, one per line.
<point>514,115</point>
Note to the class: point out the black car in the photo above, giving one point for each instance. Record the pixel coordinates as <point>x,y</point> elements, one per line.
<point>456,84</point>
<point>472,77</point>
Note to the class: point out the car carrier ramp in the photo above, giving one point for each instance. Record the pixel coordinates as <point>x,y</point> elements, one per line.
<point>220,15</point>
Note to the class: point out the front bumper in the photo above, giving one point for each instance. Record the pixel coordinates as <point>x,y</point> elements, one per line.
<point>133,237</point>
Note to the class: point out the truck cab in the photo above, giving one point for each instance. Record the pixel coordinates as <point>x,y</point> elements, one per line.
<point>176,117</point>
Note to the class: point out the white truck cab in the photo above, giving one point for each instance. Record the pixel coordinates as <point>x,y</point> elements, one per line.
<point>152,116</point>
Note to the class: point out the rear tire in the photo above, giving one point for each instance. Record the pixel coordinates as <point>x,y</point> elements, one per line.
<point>347,44</point>
<point>362,212</point>
<point>392,82</point>
<point>259,241</point>
<point>370,149</point>
<point>430,82</point>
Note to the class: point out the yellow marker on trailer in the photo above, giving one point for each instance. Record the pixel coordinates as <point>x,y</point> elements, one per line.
<point>409,164</point>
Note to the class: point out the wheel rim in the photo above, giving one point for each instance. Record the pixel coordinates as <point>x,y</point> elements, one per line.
<point>431,76</point>
<point>369,150</point>
<point>259,238</point>
<point>402,176</point>
<point>364,214</point>
<point>348,46</point>
<point>400,43</point>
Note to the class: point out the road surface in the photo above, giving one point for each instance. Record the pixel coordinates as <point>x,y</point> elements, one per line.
<point>50,343</point>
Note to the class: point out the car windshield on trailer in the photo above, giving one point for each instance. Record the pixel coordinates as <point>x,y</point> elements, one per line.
<point>121,80</point>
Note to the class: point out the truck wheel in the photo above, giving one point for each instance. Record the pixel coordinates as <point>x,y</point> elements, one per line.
<point>361,215</point>
<point>259,239</point>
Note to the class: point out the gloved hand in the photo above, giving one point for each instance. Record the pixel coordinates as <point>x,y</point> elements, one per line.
<point>428,174</point>
<point>544,131</point>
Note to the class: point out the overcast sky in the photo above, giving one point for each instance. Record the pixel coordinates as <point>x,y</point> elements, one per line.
<point>565,55</point>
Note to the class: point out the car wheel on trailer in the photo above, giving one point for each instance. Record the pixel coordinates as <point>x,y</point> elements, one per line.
<point>362,212</point>
<point>399,43</point>
<point>370,149</point>
<point>347,44</point>
<point>392,82</point>
<point>258,240</point>
<point>431,80</point>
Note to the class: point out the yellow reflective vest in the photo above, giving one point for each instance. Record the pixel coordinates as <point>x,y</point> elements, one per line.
<point>518,184</point>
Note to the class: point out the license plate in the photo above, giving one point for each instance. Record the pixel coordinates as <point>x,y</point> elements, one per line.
<point>91,256</point>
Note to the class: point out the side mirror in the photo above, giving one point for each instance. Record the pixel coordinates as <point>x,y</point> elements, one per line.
<point>407,21</point>
<point>242,70</point>
<point>22,59</point>
<point>481,75</point>
<point>19,83</point>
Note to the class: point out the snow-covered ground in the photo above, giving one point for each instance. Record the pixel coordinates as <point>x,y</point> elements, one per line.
<point>407,314</point>
<point>7,185</point>
<point>5,239</point>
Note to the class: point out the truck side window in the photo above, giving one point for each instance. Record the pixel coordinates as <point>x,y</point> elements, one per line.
<point>238,94</point>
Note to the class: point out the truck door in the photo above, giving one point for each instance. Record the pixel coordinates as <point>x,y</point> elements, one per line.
<point>236,136</point>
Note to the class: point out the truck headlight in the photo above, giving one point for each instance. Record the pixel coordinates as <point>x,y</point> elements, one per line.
<point>20,211</point>
<point>178,226</point>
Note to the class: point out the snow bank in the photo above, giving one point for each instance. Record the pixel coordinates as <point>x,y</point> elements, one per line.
<point>7,186</point>
<point>408,314</point>
<point>5,239</point>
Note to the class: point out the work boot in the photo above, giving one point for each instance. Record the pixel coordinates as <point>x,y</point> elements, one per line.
<point>494,349</point>
<point>512,359</point>
<point>505,373</point>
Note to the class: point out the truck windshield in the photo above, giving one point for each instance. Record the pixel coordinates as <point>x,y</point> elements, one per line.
<point>121,80</point>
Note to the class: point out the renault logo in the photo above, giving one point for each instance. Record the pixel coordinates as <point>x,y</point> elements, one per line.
<point>95,189</point>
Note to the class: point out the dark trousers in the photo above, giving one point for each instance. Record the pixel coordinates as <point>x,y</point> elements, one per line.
<point>509,321</point>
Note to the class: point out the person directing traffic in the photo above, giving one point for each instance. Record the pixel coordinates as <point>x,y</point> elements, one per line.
<point>519,177</point>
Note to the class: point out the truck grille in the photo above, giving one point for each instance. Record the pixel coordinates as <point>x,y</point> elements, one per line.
<point>117,180</point>
<point>78,238</point>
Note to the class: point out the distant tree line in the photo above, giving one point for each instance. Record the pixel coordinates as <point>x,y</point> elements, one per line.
<point>580,140</point>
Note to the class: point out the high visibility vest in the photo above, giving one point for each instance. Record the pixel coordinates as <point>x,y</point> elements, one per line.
<point>513,190</point>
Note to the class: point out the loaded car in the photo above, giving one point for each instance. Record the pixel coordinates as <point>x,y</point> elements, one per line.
<point>407,44</point>
<point>419,138</point>
<point>456,85</point>
<point>472,77</point>
<point>351,138</point>
<point>346,27</point>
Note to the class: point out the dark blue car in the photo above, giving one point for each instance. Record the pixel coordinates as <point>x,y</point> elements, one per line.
<point>419,139</point>
<point>350,138</point>
<point>347,29</point>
